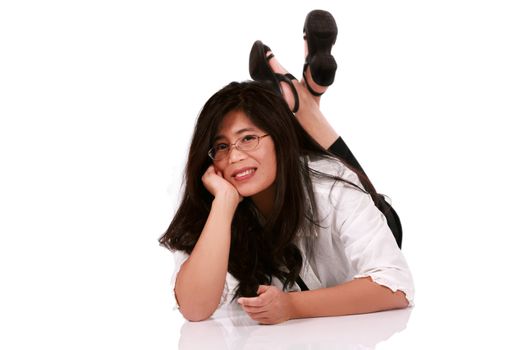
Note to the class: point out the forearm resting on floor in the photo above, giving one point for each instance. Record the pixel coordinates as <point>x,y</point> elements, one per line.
<point>358,296</point>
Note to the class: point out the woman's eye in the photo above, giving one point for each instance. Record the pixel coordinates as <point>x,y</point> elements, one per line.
<point>221,147</point>
<point>249,138</point>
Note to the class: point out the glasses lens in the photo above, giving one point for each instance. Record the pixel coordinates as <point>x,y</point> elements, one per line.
<point>218,152</point>
<point>219,155</point>
<point>248,143</point>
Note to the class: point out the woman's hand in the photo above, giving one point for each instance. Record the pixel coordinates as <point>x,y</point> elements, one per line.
<point>271,306</point>
<point>216,184</point>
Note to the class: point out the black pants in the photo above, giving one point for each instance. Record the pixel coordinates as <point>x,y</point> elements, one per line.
<point>339,148</point>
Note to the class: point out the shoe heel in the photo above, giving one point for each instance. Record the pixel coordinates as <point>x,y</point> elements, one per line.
<point>323,68</point>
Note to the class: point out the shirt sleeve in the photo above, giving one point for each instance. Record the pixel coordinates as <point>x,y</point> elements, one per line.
<point>369,244</point>
<point>180,257</point>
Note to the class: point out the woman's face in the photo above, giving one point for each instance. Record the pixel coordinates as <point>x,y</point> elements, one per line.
<point>250,172</point>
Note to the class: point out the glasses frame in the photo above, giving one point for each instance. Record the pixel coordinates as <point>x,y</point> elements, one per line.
<point>235,145</point>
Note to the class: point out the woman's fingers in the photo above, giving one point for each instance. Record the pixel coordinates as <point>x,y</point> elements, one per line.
<point>209,171</point>
<point>252,302</point>
<point>213,180</point>
<point>255,309</point>
<point>260,303</point>
<point>256,313</point>
<point>271,305</point>
<point>262,288</point>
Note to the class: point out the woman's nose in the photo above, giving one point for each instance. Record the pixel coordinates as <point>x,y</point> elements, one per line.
<point>235,155</point>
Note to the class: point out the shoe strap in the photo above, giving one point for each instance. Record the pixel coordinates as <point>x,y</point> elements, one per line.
<point>312,91</point>
<point>287,78</point>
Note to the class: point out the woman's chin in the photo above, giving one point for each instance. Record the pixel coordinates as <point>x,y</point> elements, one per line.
<point>247,191</point>
<point>255,190</point>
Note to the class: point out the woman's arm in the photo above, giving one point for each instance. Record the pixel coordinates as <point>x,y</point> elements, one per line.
<point>201,279</point>
<point>358,296</point>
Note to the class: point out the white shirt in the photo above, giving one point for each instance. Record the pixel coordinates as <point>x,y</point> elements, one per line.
<point>354,240</point>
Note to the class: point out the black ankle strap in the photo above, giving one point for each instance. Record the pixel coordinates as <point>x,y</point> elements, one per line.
<point>287,78</point>
<point>312,91</point>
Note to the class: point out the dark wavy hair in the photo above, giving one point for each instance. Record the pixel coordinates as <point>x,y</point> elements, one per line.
<point>260,248</point>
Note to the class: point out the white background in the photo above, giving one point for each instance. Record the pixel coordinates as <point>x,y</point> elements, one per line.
<point>97,104</point>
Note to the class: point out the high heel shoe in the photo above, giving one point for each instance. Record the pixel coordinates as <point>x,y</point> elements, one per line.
<point>320,33</point>
<point>261,71</point>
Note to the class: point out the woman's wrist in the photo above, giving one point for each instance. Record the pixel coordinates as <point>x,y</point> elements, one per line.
<point>292,302</point>
<point>227,199</point>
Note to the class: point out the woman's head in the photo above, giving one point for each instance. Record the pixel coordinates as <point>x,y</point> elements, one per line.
<point>244,113</point>
<point>244,154</point>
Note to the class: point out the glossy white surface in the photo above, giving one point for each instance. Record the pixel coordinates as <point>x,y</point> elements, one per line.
<point>231,328</point>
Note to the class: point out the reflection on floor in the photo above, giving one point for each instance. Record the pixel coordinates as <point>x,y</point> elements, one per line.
<point>231,328</point>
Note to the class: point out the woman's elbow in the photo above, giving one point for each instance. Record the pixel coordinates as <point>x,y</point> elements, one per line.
<point>194,314</point>
<point>400,300</point>
<point>196,317</point>
<point>195,311</point>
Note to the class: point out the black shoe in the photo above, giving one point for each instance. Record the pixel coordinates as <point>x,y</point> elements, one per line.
<point>320,33</point>
<point>261,71</point>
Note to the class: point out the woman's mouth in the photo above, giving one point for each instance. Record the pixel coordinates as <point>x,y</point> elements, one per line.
<point>245,175</point>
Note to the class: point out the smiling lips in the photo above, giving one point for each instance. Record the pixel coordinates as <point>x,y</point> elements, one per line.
<point>244,174</point>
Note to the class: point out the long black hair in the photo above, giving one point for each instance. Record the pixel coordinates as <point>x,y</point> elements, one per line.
<point>260,248</point>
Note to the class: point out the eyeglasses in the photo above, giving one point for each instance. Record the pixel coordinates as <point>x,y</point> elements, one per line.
<point>245,143</point>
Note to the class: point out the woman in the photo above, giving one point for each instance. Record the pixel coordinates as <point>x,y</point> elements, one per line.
<point>272,219</point>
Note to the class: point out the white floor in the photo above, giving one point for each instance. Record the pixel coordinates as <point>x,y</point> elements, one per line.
<point>231,328</point>
<point>97,105</point>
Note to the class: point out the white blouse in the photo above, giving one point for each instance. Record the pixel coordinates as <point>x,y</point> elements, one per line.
<point>354,240</point>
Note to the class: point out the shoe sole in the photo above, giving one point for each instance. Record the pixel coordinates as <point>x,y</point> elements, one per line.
<point>320,31</point>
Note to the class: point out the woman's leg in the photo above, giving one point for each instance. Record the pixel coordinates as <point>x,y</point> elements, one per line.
<point>339,148</point>
<point>310,116</point>
<point>315,123</point>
